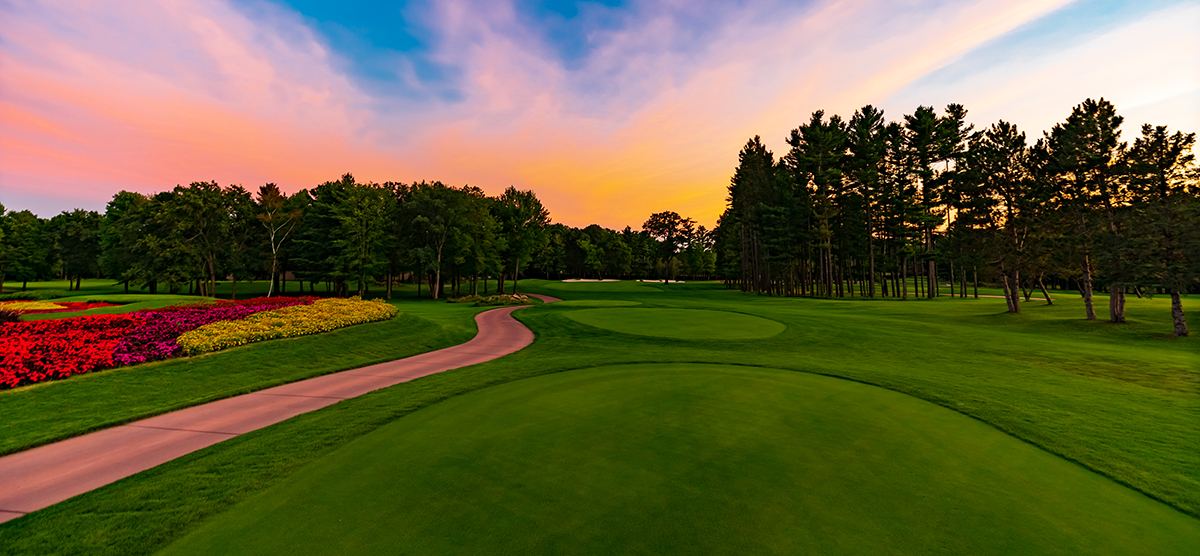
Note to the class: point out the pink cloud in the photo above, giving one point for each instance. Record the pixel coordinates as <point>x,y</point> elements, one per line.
<point>99,96</point>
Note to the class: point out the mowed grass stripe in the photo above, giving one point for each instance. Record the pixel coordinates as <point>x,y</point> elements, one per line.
<point>692,459</point>
<point>683,324</point>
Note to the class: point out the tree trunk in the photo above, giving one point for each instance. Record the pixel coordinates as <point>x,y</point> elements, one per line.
<point>1181,328</point>
<point>1007,293</point>
<point>517,272</point>
<point>976,276</point>
<point>951,277</point>
<point>1086,288</point>
<point>904,280</point>
<point>1045,293</point>
<point>271,288</point>
<point>436,287</point>
<point>1116,305</point>
<point>931,288</point>
<point>871,276</point>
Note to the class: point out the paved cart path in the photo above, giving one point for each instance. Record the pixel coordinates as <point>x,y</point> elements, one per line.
<point>49,474</point>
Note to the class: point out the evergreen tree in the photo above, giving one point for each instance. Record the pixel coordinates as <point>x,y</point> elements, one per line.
<point>1163,180</point>
<point>1084,154</point>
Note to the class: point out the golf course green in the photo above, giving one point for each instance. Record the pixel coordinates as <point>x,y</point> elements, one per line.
<point>635,424</point>
<point>683,324</point>
<point>692,459</point>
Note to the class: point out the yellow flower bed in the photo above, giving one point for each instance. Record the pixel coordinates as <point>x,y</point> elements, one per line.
<point>298,320</point>
<point>29,306</point>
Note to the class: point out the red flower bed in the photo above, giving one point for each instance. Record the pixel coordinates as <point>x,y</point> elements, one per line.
<point>41,350</point>
<point>69,306</point>
<point>271,302</point>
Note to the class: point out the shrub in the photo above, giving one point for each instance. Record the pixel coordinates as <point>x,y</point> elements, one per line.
<point>503,300</point>
<point>464,299</point>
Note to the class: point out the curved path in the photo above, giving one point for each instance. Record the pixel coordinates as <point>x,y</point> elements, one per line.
<point>36,478</point>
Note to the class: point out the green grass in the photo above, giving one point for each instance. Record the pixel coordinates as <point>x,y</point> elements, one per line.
<point>50,411</point>
<point>1122,401</point>
<point>128,304</point>
<point>624,286</point>
<point>597,303</point>
<point>692,459</point>
<point>684,324</point>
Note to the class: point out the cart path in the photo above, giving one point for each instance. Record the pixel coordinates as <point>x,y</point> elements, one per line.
<point>39,477</point>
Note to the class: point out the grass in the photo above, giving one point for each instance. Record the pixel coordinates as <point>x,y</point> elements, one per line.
<point>46,412</point>
<point>692,459</point>
<point>683,324</point>
<point>1119,400</point>
<point>128,304</point>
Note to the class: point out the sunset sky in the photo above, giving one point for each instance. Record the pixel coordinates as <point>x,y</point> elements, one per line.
<point>609,110</point>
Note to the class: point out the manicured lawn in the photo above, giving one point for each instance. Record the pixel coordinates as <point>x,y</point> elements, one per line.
<point>684,324</point>
<point>692,459</point>
<point>624,286</point>
<point>129,303</point>
<point>1122,401</point>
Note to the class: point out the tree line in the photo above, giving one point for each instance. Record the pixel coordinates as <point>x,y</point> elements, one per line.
<point>858,206</point>
<point>339,238</point>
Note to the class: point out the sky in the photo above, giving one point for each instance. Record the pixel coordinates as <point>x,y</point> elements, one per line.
<point>609,110</point>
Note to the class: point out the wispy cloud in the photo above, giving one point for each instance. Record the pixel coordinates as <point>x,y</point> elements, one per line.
<point>644,110</point>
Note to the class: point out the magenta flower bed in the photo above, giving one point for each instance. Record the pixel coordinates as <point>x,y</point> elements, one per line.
<point>43,350</point>
<point>156,337</point>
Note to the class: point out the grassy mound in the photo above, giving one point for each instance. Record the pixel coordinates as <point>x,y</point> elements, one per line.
<point>692,459</point>
<point>683,324</point>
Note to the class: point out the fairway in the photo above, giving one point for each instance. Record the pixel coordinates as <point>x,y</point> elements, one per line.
<point>683,324</point>
<point>597,303</point>
<point>623,286</point>
<point>691,459</point>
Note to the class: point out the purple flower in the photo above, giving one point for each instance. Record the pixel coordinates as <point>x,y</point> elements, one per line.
<point>156,338</point>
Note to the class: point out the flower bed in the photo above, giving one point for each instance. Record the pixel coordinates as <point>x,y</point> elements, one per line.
<point>42,350</point>
<point>300,320</point>
<point>156,338</point>
<point>33,307</point>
